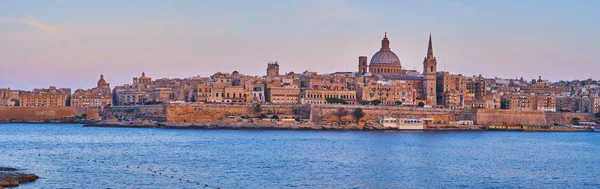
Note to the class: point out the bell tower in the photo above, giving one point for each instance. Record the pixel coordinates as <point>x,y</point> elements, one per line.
<point>429,76</point>
<point>362,65</point>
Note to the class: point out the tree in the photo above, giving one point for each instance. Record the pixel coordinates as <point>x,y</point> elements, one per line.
<point>421,104</point>
<point>335,101</point>
<point>275,117</point>
<point>262,116</point>
<point>564,110</point>
<point>597,115</point>
<point>358,114</point>
<point>341,112</point>
<point>398,103</point>
<point>575,121</point>
<point>376,102</point>
<point>302,111</point>
<point>257,109</point>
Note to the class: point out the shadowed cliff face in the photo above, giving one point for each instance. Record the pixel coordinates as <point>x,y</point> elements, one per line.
<point>10,178</point>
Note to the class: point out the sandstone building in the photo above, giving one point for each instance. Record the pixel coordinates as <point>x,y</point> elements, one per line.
<point>51,97</point>
<point>100,96</point>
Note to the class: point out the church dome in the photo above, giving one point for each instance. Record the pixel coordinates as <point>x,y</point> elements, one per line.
<point>385,56</point>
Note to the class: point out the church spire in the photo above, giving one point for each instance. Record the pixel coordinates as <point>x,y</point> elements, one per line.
<point>430,49</point>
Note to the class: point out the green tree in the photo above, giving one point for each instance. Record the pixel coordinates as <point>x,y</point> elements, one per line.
<point>358,114</point>
<point>262,116</point>
<point>576,121</point>
<point>421,104</point>
<point>341,112</point>
<point>257,109</point>
<point>335,101</point>
<point>376,102</point>
<point>597,115</point>
<point>398,103</point>
<point>275,117</point>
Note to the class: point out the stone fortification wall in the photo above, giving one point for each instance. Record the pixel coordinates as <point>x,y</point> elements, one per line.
<point>565,118</point>
<point>200,112</point>
<point>534,118</point>
<point>151,112</point>
<point>42,114</point>
<point>194,112</point>
<point>327,112</point>
<point>509,117</point>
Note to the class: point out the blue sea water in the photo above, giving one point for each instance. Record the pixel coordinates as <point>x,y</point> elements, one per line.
<point>298,159</point>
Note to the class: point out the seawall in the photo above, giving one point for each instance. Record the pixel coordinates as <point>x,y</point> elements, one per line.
<point>45,114</point>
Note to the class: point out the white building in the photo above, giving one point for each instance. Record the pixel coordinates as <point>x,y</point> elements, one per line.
<point>402,123</point>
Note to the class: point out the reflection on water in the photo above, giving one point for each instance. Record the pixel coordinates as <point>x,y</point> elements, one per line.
<point>302,159</point>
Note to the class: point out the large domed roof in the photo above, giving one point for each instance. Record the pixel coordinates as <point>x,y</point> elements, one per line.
<point>385,54</point>
<point>385,57</point>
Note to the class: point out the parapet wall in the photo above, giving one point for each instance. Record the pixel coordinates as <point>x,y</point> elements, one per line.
<point>565,118</point>
<point>151,112</point>
<point>372,113</point>
<point>534,118</point>
<point>194,112</point>
<point>509,117</point>
<point>41,114</point>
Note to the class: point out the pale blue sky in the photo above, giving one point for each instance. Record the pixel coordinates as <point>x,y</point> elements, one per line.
<point>70,43</point>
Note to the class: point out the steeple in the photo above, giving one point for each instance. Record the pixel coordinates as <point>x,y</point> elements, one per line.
<point>385,43</point>
<point>430,49</point>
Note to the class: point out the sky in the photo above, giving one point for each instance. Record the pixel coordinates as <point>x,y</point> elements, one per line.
<point>69,43</point>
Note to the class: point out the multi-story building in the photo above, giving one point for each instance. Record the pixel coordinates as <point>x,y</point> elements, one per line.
<point>99,96</point>
<point>545,103</point>
<point>517,101</point>
<point>456,85</point>
<point>320,96</point>
<point>161,95</point>
<point>283,95</point>
<point>388,93</point>
<point>9,97</point>
<point>51,97</point>
<point>136,93</point>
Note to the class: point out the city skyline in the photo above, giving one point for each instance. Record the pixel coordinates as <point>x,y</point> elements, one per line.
<point>43,46</point>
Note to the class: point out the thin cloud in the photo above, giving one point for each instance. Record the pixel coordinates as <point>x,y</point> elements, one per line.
<point>463,8</point>
<point>30,22</point>
<point>331,10</point>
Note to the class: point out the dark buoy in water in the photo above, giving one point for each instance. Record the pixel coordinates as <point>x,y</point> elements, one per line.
<point>206,185</point>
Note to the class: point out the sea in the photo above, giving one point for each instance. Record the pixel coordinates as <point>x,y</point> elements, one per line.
<point>74,156</point>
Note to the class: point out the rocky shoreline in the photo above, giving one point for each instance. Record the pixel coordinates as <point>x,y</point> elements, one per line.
<point>10,178</point>
<point>271,125</point>
<point>292,125</point>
